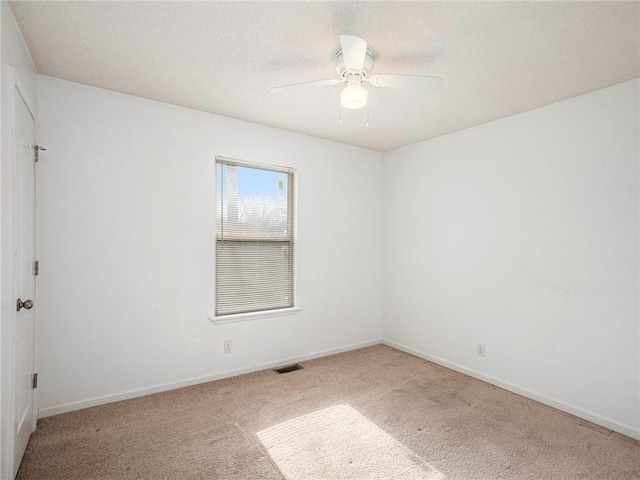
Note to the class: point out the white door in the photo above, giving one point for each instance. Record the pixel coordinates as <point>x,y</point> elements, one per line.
<point>23,277</point>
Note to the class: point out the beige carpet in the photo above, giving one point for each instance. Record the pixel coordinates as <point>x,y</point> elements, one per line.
<point>374,413</point>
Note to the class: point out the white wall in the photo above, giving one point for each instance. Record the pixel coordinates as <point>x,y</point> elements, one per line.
<point>16,55</point>
<point>523,234</point>
<point>126,238</point>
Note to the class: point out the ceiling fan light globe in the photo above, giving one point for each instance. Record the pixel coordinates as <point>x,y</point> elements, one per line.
<point>353,97</point>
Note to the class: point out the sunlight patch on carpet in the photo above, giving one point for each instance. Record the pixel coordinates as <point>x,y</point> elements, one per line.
<point>340,443</point>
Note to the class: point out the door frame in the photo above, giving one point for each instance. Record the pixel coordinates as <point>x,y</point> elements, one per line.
<point>7,363</point>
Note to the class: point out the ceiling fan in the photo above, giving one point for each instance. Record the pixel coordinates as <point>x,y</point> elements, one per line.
<point>353,62</point>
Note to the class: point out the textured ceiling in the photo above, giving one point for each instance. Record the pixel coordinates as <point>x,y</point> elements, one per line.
<point>497,58</point>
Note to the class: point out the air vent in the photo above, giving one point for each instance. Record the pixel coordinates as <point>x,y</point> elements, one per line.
<point>287,369</point>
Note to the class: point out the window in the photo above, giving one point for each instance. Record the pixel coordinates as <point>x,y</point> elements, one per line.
<point>254,237</point>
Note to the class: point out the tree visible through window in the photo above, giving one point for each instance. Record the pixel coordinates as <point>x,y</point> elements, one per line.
<point>254,237</point>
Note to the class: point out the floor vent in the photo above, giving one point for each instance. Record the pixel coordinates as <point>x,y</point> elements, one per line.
<point>288,368</point>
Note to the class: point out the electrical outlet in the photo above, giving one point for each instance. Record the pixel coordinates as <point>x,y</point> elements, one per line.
<point>227,346</point>
<point>480,349</point>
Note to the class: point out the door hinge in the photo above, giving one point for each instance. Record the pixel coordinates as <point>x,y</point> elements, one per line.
<point>36,267</point>
<point>37,149</point>
<point>34,381</point>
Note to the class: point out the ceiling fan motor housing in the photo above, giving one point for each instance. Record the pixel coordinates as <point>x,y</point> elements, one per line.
<point>342,69</point>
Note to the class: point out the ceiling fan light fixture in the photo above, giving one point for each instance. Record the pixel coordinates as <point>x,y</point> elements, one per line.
<point>353,96</point>
<point>353,62</point>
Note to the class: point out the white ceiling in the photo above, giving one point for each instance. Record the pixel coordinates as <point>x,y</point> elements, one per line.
<point>497,58</point>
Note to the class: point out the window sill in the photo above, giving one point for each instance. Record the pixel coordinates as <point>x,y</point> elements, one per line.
<point>243,317</point>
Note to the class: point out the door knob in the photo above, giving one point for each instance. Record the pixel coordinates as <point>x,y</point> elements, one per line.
<point>27,304</point>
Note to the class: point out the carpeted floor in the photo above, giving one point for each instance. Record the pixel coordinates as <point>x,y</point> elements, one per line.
<point>374,413</point>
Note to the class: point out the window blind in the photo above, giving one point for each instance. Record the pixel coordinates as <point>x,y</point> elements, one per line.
<point>254,237</point>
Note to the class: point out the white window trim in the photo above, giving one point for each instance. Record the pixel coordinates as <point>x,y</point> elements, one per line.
<point>243,317</point>
<point>251,164</point>
<point>278,312</point>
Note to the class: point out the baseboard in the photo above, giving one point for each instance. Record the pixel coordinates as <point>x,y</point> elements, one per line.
<point>601,420</point>
<point>140,392</point>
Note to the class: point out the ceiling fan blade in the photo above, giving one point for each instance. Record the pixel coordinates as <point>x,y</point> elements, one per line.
<point>412,82</point>
<point>354,50</point>
<point>296,86</point>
